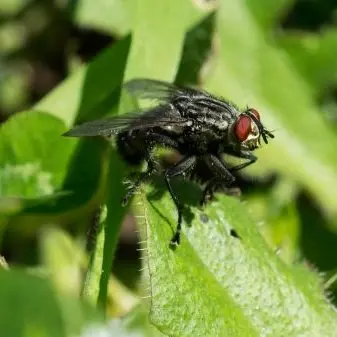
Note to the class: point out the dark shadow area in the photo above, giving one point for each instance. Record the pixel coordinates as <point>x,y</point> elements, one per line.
<point>90,42</point>
<point>51,36</point>
<point>234,234</point>
<point>188,193</point>
<point>328,102</point>
<point>310,15</point>
<point>318,242</point>
<point>28,252</point>
<point>127,263</point>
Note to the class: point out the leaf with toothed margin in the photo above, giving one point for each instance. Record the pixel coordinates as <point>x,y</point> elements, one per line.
<point>223,279</point>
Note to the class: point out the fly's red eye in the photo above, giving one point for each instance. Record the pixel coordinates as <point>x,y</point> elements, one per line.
<point>243,128</point>
<point>255,113</point>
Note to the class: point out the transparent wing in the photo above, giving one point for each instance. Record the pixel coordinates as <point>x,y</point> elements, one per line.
<point>166,92</point>
<point>162,115</point>
<point>155,89</point>
<point>101,127</point>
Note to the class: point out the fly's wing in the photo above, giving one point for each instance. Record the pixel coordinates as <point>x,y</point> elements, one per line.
<point>158,90</point>
<point>166,92</point>
<point>102,127</point>
<point>163,115</point>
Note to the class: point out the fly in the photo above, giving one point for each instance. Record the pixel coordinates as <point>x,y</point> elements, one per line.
<point>197,124</point>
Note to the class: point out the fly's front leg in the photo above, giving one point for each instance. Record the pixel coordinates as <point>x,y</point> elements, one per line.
<point>242,154</point>
<point>182,167</point>
<point>221,176</point>
<point>151,140</point>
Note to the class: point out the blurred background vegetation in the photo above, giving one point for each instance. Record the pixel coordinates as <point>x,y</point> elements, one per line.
<point>42,42</point>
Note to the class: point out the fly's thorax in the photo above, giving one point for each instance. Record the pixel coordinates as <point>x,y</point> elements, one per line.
<point>173,129</point>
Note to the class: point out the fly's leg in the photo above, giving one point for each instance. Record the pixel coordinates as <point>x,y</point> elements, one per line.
<point>213,186</point>
<point>181,168</point>
<point>215,182</point>
<point>142,177</point>
<point>222,176</point>
<point>151,140</point>
<point>242,154</point>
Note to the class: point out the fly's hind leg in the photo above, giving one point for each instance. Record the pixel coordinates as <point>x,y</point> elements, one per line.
<point>182,167</point>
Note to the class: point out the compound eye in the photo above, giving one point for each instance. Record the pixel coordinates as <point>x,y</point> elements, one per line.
<point>243,128</point>
<point>255,113</point>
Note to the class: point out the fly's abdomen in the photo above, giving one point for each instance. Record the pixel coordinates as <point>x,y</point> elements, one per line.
<point>131,148</point>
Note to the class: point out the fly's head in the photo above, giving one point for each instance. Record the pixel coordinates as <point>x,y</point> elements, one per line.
<point>248,130</point>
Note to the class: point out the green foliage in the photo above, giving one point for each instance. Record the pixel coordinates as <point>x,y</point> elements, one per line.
<point>221,282</point>
<point>30,307</point>
<point>241,268</point>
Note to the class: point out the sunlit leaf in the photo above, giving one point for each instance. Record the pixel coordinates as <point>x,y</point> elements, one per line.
<point>223,279</point>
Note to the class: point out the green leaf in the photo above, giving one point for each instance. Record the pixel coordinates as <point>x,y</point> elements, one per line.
<point>313,55</point>
<point>27,141</point>
<point>30,307</point>
<point>137,322</point>
<point>220,284</point>
<point>34,166</point>
<point>168,22</point>
<point>134,324</point>
<point>36,311</point>
<point>276,212</point>
<point>268,13</point>
<point>110,16</point>
<point>62,259</point>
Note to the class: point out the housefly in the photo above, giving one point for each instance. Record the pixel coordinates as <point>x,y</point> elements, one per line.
<point>197,124</point>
